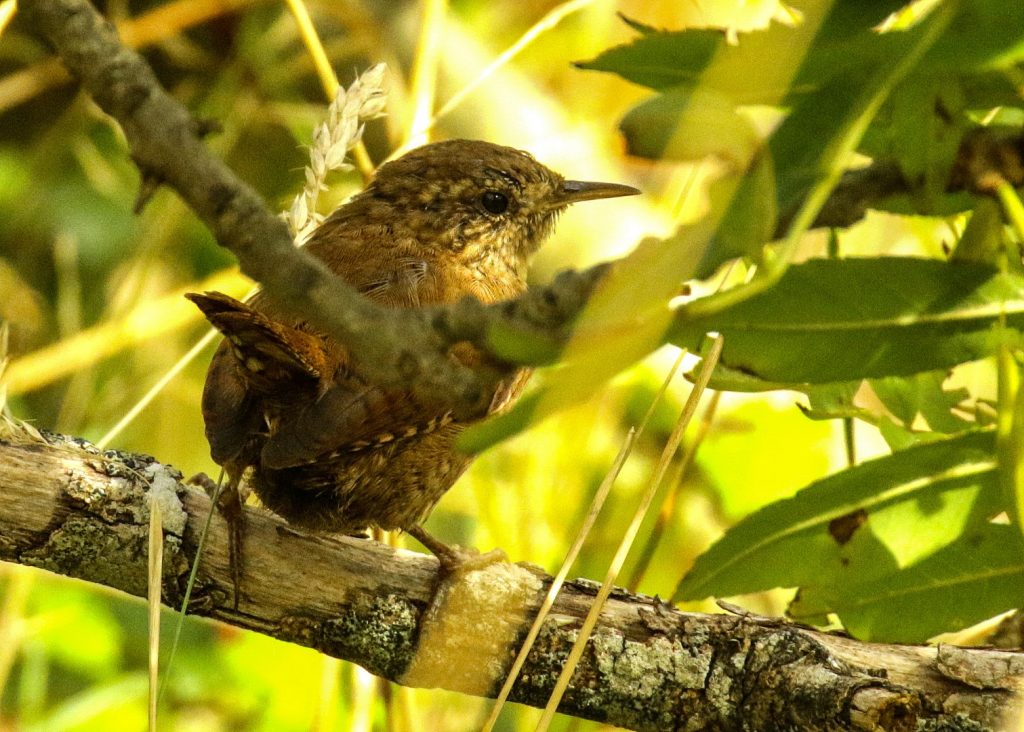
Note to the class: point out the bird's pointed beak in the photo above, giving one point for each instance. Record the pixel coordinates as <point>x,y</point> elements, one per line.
<point>574,191</point>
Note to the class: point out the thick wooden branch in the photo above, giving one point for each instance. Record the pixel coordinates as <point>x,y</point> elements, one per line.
<point>70,509</point>
<point>406,348</point>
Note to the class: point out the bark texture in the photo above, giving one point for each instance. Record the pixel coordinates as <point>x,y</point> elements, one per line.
<point>71,509</point>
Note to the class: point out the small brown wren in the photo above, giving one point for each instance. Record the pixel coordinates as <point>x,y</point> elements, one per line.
<point>285,414</point>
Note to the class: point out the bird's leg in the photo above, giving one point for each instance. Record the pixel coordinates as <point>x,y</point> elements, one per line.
<point>228,500</point>
<point>230,505</point>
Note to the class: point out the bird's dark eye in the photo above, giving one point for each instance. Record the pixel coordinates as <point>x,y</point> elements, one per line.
<point>495,202</point>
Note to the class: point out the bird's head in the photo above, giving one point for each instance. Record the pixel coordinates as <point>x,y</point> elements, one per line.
<point>480,200</point>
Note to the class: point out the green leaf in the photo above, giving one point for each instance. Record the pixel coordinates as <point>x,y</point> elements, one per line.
<point>923,394</point>
<point>834,38</point>
<point>993,98</point>
<point>833,71</point>
<point>827,116</point>
<point>982,240</point>
<point>838,89</point>
<point>985,34</point>
<point>920,128</point>
<point>727,379</point>
<point>899,437</point>
<point>689,123</point>
<point>808,151</point>
<point>833,401</point>
<point>847,18</point>
<point>628,309</point>
<point>946,204</point>
<point>639,26</point>
<point>845,319</point>
<point>978,576</point>
<point>915,501</point>
<point>661,60</point>
<point>749,218</point>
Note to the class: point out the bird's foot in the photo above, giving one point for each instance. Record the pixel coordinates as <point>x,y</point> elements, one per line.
<point>204,481</point>
<point>456,559</point>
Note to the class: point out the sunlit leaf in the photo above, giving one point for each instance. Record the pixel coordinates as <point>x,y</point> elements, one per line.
<point>833,110</point>
<point>830,71</point>
<point>912,503</point>
<point>760,68</point>
<point>630,309</point>
<point>985,34</point>
<point>900,437</point>
<point>661,60</point>
<point>689,123</point>
<point>839,320</point>
<point>923,394</point>
<point>832,401</point>
<point>978,576</point>
<point>982,238</point>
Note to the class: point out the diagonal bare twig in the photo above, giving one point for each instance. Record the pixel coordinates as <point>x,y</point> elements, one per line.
<point>390,347</point>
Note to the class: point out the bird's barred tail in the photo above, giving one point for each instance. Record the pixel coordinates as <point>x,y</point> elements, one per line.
<point>270,352</point>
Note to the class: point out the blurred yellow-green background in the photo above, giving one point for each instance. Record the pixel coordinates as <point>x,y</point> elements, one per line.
<point>92,295</point>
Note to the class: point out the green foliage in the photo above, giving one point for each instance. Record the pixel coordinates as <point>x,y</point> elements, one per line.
<point>701,77</point>
<point>975,577</point>
<point>885,544</point>
<point>828,73</point>
<point>820,520</point>
<point>882,524</point>
<point>887,316</point>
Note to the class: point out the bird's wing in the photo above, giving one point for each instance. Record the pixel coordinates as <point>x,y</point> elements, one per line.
<point>348,414</point>
<point>286,396</point>
<point>349,417</point>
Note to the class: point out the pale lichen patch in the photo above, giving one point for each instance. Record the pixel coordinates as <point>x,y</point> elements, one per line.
<point>644,669</point>
<point>96,552</point>
<point>107,497</point>
<point>379,631</point>
<point>467,643</point>
<point>163,488</point>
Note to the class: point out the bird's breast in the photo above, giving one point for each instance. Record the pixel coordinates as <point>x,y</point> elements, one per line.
<point>437,282</point>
